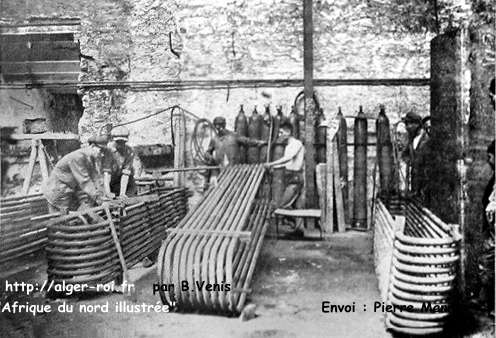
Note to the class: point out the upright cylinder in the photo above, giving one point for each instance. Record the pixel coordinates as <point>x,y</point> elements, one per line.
<point>241,128</point>
<point>266,131</point>
<point>254,132</point>
<point>295,122</point>
<point>277,151</point>
<point>342,139</point>
<point>384,154</point>
<point>278,120</point>
<point>320,137</point>
<point>360,172</point>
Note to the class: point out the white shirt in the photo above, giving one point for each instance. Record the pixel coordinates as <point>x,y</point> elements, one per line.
<point>296,152</point>
<point>416,140</point>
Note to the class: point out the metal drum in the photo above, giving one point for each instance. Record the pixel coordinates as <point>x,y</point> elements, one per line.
<point>360,172</point>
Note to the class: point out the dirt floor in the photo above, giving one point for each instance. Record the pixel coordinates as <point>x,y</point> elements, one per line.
<point>291,281</point>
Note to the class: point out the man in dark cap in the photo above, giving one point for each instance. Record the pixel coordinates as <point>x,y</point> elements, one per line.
<point>118,170</point>
<point>73,183</point>
<point>224,148</point>
<point>415,155</point>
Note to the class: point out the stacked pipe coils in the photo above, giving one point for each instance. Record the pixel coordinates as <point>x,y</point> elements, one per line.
<point>424,257</point>
<point>21,231</point>
<point>360,172</point>
<point>241,128</point>
<point>384,154</point>
<point>342,140</point>
<point>254,132</point>
<point>80,247</point>
<point>214,249</point>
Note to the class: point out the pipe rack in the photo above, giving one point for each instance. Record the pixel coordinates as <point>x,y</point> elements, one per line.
<point>218,244</point>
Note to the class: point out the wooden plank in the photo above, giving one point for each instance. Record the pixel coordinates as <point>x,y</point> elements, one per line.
<point>29,172</point>
<point>310,197</point>
<point>45,136</point>
<point>322,191</point>
<point>338,193</point>
<point>70,77</point>
<point>12,38</point>
<point>329,181</point>
<point>23,67</point>
<point>40,51</point>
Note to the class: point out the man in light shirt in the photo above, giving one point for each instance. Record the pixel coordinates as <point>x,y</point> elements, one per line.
<point>292,161</point>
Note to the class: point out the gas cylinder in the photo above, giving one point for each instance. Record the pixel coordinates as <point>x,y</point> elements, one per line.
<point>241,128</point>
<point>384,154</point>
<point>342,139</point>
<point>360,172</point>
<point>320,137</point>
<point>254,132</point>
<point>295,122</point>
<point>267,125</point>
<point>278,146</point>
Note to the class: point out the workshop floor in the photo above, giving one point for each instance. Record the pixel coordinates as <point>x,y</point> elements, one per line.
<point>292,280</point>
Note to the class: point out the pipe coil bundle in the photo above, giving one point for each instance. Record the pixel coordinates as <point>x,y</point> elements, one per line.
<point>417,258</point>
<point>216,244</point>
<point>21,232</point>
<point>80,247</point>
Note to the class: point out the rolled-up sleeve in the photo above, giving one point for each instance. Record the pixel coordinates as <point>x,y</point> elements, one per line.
<point>127,166</point>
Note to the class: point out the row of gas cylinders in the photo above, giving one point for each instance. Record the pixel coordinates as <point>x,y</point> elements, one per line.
<point>266,127</point>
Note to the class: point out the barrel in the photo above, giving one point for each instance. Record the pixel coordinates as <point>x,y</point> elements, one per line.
<point>384,154</point>
<point>360,172</point>
<point>254,132</point>
<point>241,128</point>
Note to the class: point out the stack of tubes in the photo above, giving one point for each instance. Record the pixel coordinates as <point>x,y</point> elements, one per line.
<point>21,232</point>
<point>424,260</point>
<point>80,247</point>
<point>207,248</point>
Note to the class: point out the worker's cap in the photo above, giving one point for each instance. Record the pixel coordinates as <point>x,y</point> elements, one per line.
<point>412,117</point>
<point>219,120</point>
<point>98,140</point>
<point>120,133</point>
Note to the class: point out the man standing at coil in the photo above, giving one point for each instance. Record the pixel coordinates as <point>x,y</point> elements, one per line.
<point>292,161</point>
<point>118,171</point>
<point>73,183</point>
<point>224,148</point>
<point>416,153</point>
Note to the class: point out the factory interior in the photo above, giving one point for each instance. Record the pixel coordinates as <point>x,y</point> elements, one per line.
<point>263,168</point>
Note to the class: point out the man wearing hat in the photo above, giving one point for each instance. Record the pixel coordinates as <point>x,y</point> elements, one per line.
<point>224,149</point>
<point>73,183</point>
<point>118,171</point>
<point>416,152</point>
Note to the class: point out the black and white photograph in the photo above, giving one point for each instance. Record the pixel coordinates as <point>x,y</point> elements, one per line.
<point>247,168</point>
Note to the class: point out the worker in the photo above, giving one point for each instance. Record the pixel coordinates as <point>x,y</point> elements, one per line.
<point>118,171</point>
<point>292,162</point>
<point>224,148</point>
<point>73,183</point>
<point>416,153</point>
<point>486,263</point>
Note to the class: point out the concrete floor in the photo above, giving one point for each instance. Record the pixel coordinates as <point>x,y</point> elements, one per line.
<point>291,281</point>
